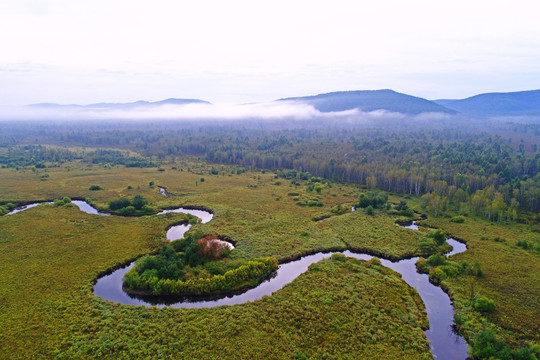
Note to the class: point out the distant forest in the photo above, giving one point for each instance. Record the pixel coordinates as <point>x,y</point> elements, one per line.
<point>490,169</point>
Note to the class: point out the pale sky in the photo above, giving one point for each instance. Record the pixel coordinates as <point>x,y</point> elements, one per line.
<point>72,51</point>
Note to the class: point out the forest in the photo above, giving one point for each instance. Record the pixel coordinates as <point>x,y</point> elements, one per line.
<point>478,172</point>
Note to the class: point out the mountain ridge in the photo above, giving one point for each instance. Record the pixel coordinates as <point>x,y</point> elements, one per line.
<point>524,103</point>
<point>371,100</point>
<point>107,105</point>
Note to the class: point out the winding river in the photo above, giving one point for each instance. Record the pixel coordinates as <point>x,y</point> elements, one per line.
<point>444,342</point>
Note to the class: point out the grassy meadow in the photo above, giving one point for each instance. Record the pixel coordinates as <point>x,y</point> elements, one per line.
<point>341,308</point>
<point>511,277</point>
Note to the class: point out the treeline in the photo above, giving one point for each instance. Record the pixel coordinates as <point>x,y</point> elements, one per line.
<point>479,170</point>
<point>451,162</point>
<point>36,155</point>
<point>40,157</point>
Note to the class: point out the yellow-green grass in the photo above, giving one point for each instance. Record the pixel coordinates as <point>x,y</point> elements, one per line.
<point>511,275</point>
<point>339,309</point>
<point>50,255</point>
<point>48,258</point>
<point>377,234</point>
<point>250,208</point>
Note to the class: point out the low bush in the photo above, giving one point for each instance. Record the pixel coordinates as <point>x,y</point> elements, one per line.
<point>375,199</point>
<point>484,305</point>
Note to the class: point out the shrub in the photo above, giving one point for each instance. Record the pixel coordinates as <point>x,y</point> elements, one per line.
<point>338,257</point>
<point>422,265</point>
<point>451,269</point>
<point>436,260</point>
<point>484,305</point>
<point>477,270</point>
<point>128,210</point>
<point>210,249</point>
<point>402,205</point>
<point>119,203</point>
<point>458,219</point>
<point>95,188</point>
<point>438,235</point>
<point>523,244</point>
<point>427,245</point>
<point>376,200</point>
<point>339,209</point>
<point>139,202</point>
<point>485,346</point>
<point>65,200</point>
<point>407,212</point>
<point>466,268</point>
<point>436,275</point>
<point>370,210</point>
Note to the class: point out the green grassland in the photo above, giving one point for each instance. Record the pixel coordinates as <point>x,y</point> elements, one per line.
<point>50,255</point>
<point>254,209</point>
<point>511,277</point>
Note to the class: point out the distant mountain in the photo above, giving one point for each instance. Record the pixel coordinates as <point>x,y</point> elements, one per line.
<point>371,100</point>
<point>136,104</point>
<point>524,103</point>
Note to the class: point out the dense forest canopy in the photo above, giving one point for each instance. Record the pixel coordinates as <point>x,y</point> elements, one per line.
<point>492,166</point>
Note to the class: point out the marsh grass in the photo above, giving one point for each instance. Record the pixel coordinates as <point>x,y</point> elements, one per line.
<point>49,257</point>
<point>511,277</point>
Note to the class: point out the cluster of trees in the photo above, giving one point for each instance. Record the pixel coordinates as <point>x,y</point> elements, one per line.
<point>115,157</point>
<point>440,268</point>
<point>412,163</point>
<point>36,156</point>
<point>196,271</point>
<point>375,200</point>
<point>496,205</point>
<point>432,241</point>
<point>243,276</point>
<point>39,157</point>
<point>123,206</point>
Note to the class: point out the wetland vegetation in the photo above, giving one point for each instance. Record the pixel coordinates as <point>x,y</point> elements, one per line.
<point>267,190</point>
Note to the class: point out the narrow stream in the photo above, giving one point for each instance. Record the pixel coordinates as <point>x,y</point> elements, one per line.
<point>26,207</point>
<point>444,342</point>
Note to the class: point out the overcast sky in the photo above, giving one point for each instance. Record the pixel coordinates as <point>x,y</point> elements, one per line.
<point>71,51</point>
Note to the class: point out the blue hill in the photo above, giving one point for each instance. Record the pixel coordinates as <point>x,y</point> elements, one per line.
<point>371,100</point>
<point>136,104</point>
<point>521,103</point>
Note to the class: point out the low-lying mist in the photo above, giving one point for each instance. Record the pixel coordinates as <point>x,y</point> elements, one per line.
<point>272,111</point>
